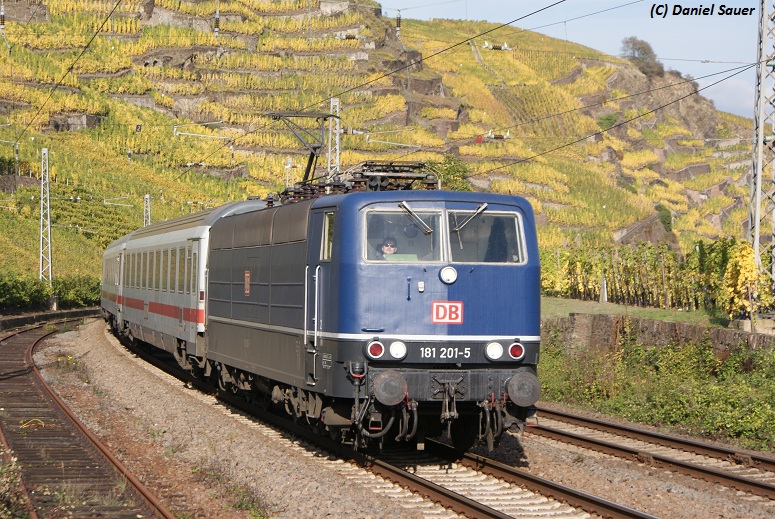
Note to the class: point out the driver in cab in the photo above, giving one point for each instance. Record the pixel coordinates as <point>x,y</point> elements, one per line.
<point>389,246</point>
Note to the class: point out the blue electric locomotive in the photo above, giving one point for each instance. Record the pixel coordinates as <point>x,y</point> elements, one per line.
<point>303,307</point>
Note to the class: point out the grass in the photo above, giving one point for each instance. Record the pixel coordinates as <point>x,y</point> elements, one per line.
<point>687,386</point>
<point>12,501</point>
<point>242,497</point>
<point>557,307</point>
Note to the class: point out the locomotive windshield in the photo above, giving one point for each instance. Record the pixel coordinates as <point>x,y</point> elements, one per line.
<point>403,236</point>
<point>481,237</point>
<point>478,236</point>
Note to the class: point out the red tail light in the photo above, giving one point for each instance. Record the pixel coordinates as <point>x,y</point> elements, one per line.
<point>375,349</point>
<point>516,351</point>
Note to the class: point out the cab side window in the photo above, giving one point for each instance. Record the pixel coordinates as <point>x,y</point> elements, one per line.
<point>327,243</point>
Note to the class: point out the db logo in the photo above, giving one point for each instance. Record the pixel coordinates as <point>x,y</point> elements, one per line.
<point>447,312</point>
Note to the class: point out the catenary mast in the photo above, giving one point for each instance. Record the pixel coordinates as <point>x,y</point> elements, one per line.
<point>762,202</point>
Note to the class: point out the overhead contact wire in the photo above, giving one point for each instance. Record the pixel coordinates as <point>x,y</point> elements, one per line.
<point>68,71</point>
<point>617,125</point>
<point>388,74</point>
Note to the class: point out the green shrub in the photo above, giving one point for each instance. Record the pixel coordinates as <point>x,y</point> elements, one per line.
<point>23,293</point>
<point>665,217</point>
<point>77,291</point>
<point>27,293</point>
<point>607,121</point>
<point>691,386</point>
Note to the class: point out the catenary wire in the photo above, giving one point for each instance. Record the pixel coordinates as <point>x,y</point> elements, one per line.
<point>68,71</point>
<point>617,125</point>
<point>388,74</point>
<point>558,114</point>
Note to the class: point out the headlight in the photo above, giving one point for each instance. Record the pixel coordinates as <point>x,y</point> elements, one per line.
<point>397,350</point>
<point>448,275</point>
<point>493,350</point>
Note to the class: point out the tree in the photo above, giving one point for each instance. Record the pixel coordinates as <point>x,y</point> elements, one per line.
<point>640,54</point>
<point>453,172</point>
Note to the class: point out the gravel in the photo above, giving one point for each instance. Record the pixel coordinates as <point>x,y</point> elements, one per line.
<point>202,459</point>
<point>182,436</point>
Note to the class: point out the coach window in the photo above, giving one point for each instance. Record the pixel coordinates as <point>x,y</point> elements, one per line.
<point>187,271</point>
<point>152,279</point>
<point>174,270</point>
<point>144,271</point>
<point>159,270</point>
<point>181,269</point>
<point>328,237</point>
<point>165,269</point>
<point>151,267</point>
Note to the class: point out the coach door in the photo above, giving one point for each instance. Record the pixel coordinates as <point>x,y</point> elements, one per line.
<point>318,285</point>
<point>190,312</point>
<point>122,281</point>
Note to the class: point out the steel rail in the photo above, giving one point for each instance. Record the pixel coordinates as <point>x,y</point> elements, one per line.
<point>46,392</point>
<point>753,486</point>
<point>22,487</point>
<point>147,496</point>
<point>573,497</point>
<point>447,498</point>
<point>746,457</point>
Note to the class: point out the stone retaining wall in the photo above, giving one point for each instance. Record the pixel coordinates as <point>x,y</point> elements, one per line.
<point>10,322</point>
<point>595,331</point>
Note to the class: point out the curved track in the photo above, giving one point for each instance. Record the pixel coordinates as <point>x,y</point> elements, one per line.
<point>466,484</point>
<point>65,469</point>
<point>743,470</point>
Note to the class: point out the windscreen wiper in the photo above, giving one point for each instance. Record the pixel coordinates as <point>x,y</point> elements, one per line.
<point>416,217</point>
<point>470,217</point>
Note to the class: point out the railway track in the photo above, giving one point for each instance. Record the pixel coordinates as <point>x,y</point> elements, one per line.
<point>742,470</point>
<point>468,485</point>
<point>495,489</point>
<point>66,471</point>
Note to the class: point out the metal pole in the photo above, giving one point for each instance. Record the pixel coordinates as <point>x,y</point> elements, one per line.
<point>45,219</point>
<point>334,136</point>
<point>146,210</point>
<point>763,116</point>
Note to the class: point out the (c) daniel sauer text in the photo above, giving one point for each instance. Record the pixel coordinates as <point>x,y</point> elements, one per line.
<point>665,10</point>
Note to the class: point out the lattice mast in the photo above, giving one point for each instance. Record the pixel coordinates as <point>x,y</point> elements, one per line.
<point>2,25</point>
<point>334,139</point>
<point>146,210</point>
<point>45,219</point>
<point>762,201</point>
